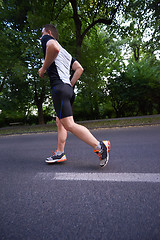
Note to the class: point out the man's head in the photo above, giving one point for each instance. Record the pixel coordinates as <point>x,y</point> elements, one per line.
<point>51,30</point>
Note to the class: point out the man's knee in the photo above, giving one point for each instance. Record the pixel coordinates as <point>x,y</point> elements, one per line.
<point>68,125</point>
<point>58,123</point>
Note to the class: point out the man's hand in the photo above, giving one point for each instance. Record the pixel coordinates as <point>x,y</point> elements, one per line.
<point>41,72</point>
<point>78,70</point>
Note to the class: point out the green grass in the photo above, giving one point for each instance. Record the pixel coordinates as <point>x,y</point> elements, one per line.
<point>123,122</point>
<point>108,123</point>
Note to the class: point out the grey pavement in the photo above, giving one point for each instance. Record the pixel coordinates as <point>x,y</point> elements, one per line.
<point>77,199</point>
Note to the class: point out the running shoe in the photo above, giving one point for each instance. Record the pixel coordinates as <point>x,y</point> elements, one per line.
<point>103,154</point>
<point>56,158</point>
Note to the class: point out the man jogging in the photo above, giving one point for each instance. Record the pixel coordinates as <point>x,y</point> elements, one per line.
<point>57,63</point>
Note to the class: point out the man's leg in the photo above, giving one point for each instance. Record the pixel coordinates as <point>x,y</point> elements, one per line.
<point>102,148</point>
<point>62,135</point>
<point>59,155</point>
<point>80,131</point>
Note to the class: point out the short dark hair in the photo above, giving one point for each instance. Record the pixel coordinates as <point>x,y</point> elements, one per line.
<point>53,30</point>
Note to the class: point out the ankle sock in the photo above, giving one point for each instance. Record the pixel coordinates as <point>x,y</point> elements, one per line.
<point>98,147</point>
<point>59,152</point>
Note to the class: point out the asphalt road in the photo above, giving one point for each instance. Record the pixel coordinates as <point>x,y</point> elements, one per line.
<point>77,199</point>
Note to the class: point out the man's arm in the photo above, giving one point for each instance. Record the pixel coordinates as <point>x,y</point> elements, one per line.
<point>78,70</point>
<point>52,50</point>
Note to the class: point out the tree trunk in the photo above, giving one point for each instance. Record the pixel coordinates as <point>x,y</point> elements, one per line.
<point>136,54</point>
<point>39,103</point>
<point>2,84</point>
<point>40,114</point>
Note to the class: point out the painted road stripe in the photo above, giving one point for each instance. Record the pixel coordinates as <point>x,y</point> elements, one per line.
<point>108,177</point>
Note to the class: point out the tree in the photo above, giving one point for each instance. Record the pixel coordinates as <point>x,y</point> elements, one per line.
<point>20,43</point>
<point>138,35</point>
<point>13,74</point>
<point>136,91</point>
<point>26,18</point>
<point>140,27</point>
<point>87,14</point>
<point>96,32</point>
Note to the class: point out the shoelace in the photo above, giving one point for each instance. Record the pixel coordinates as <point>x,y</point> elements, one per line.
<point>54,152</point>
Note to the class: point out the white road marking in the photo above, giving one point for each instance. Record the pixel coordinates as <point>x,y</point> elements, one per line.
<point>107,177</point>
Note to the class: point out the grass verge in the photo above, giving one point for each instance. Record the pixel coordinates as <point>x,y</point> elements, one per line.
<point>108,123</point>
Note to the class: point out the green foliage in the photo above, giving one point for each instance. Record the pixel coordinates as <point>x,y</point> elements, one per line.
<point>121,76</point>
<point>92,82</point>
<point>137,91</point>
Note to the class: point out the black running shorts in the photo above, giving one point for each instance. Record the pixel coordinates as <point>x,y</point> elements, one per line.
<point>63,98</point>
